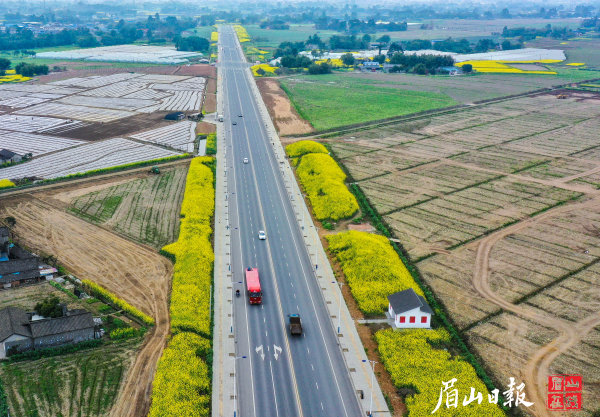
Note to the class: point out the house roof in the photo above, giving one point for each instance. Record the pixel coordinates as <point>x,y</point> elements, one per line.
<point>73,321</point>
<point>6,154</point>
<point>18,266</point>
<point>407,300</point>
<point>13,321</point>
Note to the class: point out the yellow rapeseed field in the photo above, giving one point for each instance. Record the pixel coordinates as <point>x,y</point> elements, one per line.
<point>323,181</point>
<point>181,385</point>
<point>242,33</point>
<point>6,183</point>
<point>302,147</point>
<point>214,36</point>
<point>372,268</point>
<point>102,292</point>
<point>413,362</point>
<point>265,67</point>
<point>11,77</point>
<point>502,67</point>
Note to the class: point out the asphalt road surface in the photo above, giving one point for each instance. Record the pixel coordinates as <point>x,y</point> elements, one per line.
<point>282,375</point>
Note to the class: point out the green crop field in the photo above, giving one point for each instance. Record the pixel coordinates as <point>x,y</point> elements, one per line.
<point>146,209</point>
<point>81,384</point>
<point>477,87</point>
<point>328,101</point>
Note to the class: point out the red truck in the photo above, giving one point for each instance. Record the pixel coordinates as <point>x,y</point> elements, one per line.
<point>253,286</point>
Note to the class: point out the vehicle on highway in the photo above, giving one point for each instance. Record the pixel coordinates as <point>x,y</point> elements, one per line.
<point>246,160</point>
<point>295,324</point>
<point>253,286</point>
<point>240,115</point>
<point>220,117</point>
<point>262,235</point>
<point>234,123</point>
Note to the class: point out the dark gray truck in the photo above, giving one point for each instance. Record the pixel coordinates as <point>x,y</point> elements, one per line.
<point>295,324</point>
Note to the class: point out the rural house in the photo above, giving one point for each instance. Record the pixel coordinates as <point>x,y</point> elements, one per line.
<point>371,66</point>
<point>17,266</point>
<point>409,310</point>
<point>19,331</point>
<point>7,156</point>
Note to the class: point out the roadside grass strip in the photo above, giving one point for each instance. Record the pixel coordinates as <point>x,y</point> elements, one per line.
<point>417,359</point>
<point>372,268</point>
<point>323,181</point>
<point>102,293</point>
<point>6,183</point>
<point>182,382</point>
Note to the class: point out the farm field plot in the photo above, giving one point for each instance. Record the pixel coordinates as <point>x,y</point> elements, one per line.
<point>88,114</point>
<point>23,143</point>
<point>94,108</point>
<point>81,384</point>
<point>458,217</point>
<point>95,155</point>
<point>29,123</point>
<point>124,53</point>
<point>118,89</point>
<point>137,274</point>
<point>328,101</point>
<point>499,207</point>
<point>147,209</point>
<point>108,102</point>
<point>20,102</point>
<point>478,87</point>
<point>180,135</point>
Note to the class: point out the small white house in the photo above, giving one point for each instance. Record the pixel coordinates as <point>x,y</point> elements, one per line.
<point>409,310</point>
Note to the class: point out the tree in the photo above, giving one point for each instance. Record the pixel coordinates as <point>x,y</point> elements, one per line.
<point>384,39</point>
<point>348,59</point>
<point>4,65</point>
<point>261,72</point>
<point>366,38</point>
<point>420,69</point>
<point>192,43</point>
<point>49,307</point>
<point>467,68</point>
<point>394,47</point>
<point>322,68</point>
<point>379,58</point>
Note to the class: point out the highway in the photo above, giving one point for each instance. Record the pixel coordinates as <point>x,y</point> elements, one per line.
<point>282,375</point>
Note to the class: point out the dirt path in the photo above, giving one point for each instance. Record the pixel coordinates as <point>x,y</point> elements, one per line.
<point>284,115</point>
<point>537,369</point>
<point>138,275</point>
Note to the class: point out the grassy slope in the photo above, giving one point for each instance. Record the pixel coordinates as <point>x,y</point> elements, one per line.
<point>335,100</point>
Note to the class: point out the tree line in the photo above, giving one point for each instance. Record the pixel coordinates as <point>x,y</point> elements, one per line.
<point>23,68</point>
<point>153,29</point>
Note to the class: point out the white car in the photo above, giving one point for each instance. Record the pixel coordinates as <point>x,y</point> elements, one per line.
<point>245,160</point>
<point>262,235</point>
